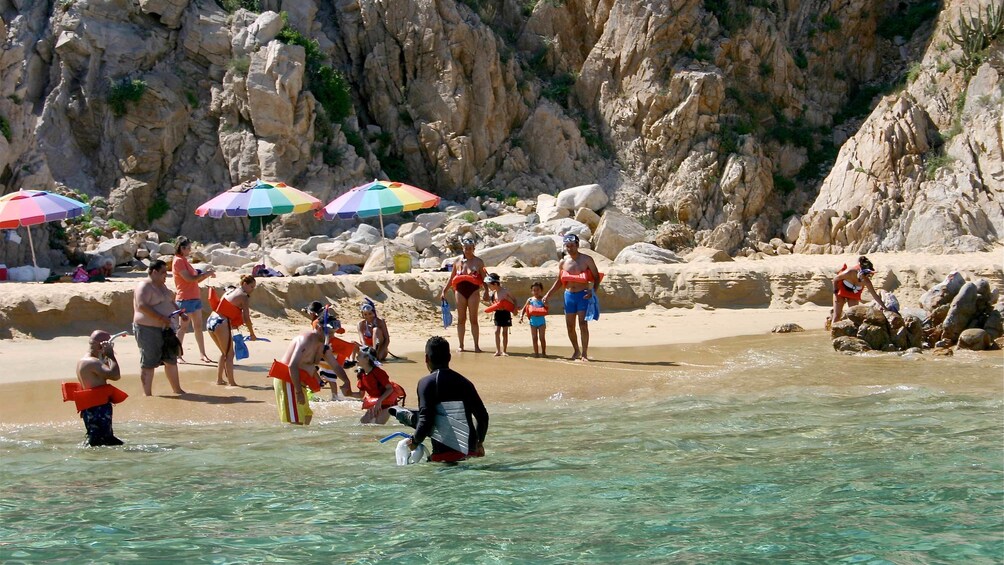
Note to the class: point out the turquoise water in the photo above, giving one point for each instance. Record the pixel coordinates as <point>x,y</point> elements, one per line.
<point>902,471</point>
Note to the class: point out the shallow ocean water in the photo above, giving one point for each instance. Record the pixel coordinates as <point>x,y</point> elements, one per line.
<point>869,460</point>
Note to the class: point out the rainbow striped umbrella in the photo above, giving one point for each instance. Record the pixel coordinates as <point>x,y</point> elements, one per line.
<point>376,199</point>
<point>259,198</point>
<point>33,207</point>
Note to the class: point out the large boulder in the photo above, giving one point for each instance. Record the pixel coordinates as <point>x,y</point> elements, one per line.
<point>290,261</point>
<point>586,196</point>
<point>646,254</point>
<point>419,238</point>
<point>366,234</point>
<point>431,220</point>
<point>995,322</point>
<point>548,209</point>
<point>943,292</point>
<point>615,232</point>
<point>344,252</point>
<point>975,339</point>
<point>674,237</point>
<point>875,336</point>
<point>227,258</point>
<point>960,312</point>
<point>588,217</point>
<point>850,344</point>
<point>707,255</point>
<point>312,242</point>
<point>564,226</point>
<point>122,250</point>
<point>865,314</point>
<point>532,252</point>
<point>843,328</point>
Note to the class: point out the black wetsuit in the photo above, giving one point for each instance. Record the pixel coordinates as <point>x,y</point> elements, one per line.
<point>446,385</point>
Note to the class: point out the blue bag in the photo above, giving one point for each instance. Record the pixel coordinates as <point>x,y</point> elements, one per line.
<point>593,308</point>
<point>240,348</point>
<point>447,315</point>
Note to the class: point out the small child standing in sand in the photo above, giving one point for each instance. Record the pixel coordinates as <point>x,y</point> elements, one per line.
<point>536,309</point>
<point>503,304</point>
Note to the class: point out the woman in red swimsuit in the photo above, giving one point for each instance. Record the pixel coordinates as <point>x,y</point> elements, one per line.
<point>467,279</point>
<point>848,285</point>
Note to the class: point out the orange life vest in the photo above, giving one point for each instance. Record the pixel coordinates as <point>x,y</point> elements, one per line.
<point>90,397</point>
<point>225,308</point>
<point>280,371</point>
<point>501,305</point>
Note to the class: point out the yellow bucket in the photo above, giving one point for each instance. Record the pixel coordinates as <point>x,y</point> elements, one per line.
<point>402,263</point>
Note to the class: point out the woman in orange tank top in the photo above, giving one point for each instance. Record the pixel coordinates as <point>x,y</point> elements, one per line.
<point>231,311</point>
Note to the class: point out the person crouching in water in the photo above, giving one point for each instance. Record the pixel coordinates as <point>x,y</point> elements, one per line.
<point>373,330</point>
<point>94,370</point>
<point>503,304</point>
<point>536,309</point>
<point>375,388</point>
<point>345,352</point>
<point>297,371</point>
<point>848,285</point>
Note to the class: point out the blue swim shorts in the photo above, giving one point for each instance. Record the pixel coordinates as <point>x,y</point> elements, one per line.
<point>576,302</point>
<point>191,305</point>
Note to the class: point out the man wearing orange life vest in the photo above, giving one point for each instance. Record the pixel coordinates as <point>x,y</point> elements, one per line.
<point>94,370</point>
<point>580,277</point>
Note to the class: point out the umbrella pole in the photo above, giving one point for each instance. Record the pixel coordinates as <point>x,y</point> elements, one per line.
<point>384,238</point>
<point>31,245</point>
<point>261,231</point>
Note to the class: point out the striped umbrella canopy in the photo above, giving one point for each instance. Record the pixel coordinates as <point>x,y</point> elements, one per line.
<point>33,207</point>
<point>376,199</point>
<point>259,198</point>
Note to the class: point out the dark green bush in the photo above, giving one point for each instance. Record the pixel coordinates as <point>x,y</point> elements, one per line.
<point>232,6</point>
<point>125,90</point>
<point>157,208</point>
<point>5,128</point>
<point>733,15</point>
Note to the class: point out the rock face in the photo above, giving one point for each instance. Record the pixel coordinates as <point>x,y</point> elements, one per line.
<point>720,117</point>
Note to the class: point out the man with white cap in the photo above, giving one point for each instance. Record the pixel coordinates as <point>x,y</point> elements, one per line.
<point>580,277</point>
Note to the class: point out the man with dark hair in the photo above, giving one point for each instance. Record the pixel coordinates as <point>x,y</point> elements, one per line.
<point>447,402</point>
<point>577,272</point>
<point>153,326</point>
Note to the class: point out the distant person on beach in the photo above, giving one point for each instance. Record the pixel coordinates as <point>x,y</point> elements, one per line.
<point>446,399</point>
<point>503,304</point>
<point>577,272</point>
<point>232,311</point>
<point>536,309</point>
<point>376,390</point>
<point>94,370</point>
<point>466,279</point>
<point>849,284</point>
<point>297,371</point>
<point>373,330</point>
<point>187,293</point>
<point>153,306</point>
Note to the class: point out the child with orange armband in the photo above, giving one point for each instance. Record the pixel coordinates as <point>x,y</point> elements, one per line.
<point>503,305</point>
<point>536,309</point>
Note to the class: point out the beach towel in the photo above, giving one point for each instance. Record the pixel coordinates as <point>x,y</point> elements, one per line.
<point>593,308</point>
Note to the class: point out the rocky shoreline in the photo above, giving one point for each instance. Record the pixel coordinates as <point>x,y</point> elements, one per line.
<point>784,282</point>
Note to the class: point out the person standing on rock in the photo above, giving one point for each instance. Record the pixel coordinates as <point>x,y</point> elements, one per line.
<point>153,310</point>
<point>187,294</point>
<point>466,279</point>
<point>577,272</point>
<point>848,285</point>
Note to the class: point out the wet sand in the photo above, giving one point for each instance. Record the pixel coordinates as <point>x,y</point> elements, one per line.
<point>624,345</point>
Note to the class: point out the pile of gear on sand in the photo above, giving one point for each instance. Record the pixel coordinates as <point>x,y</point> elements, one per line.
<point>953,313</point>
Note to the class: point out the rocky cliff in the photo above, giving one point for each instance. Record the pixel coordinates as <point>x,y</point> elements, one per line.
<point>857,125</point>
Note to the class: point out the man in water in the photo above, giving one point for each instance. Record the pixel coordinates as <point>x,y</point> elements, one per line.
<point>93,370</point>
<point>153,306</point>
<point>580,277</point>
<point>450,396</point>
<point>298,369</point>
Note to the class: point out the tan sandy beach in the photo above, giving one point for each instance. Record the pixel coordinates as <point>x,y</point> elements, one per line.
<point>632,339</point>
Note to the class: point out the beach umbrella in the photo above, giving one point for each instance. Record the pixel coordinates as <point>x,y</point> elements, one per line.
<point>31,207</point>
<point>376,199</point>
<point>259,198</point>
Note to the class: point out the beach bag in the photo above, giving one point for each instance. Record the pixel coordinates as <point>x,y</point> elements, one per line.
<point>447,315</point>
<point>593,309</point>
<point>240,348</point>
